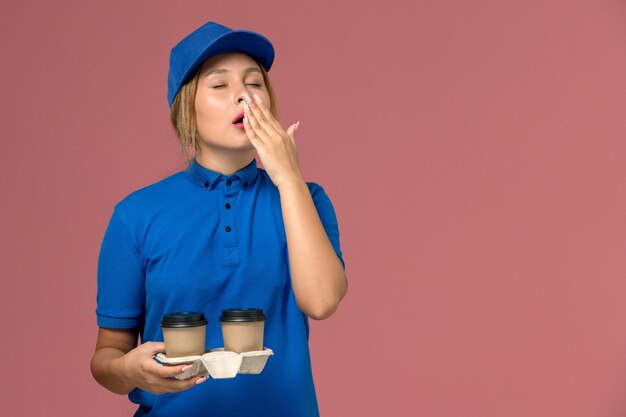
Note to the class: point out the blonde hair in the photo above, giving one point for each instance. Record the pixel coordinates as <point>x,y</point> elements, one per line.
<point>183,113</point>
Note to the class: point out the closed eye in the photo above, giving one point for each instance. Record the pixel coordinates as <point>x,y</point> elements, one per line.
<point>223,85</point>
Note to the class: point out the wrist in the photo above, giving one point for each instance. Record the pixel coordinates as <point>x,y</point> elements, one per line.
<point>291,183</point>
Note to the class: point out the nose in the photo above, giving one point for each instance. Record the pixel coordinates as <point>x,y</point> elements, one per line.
<point>239,95</point>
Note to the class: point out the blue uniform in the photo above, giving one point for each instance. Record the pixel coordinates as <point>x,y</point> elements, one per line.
<point>201,241</point>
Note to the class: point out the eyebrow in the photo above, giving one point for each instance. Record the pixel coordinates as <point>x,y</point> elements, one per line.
<point>224,70</point>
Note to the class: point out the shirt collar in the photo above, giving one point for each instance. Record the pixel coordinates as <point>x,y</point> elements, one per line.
<point>207,178</point>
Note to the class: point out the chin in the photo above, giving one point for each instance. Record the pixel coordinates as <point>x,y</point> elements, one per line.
<point>241,143</point>
<point>234,142</point>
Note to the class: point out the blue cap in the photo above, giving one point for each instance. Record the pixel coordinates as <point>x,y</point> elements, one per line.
<point>208,40</point>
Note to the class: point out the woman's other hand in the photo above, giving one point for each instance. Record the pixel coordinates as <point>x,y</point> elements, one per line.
<point>139,369</point>
<point>121,367</point>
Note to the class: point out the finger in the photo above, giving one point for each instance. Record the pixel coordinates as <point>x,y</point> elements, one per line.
<point>268,117</point>
<point>165,371</point>
<point>256,126</point>
<point>254,139</point>
<point>154,347</point>
<point>291,132</point>
<point>174,385</point>
<point>263,122</point>
<point>255,109</point>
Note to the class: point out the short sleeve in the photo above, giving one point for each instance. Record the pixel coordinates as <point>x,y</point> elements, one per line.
<point>121,292</point>
<point>327,215</point>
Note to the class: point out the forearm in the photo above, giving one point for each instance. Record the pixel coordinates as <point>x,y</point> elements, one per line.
<point>103,369</point>
<point>317,275</point>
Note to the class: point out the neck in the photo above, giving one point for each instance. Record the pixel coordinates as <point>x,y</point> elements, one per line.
<point>225,163</point>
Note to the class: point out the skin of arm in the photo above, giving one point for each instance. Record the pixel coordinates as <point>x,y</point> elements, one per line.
<point>111,345</point>
<point>317,275</point>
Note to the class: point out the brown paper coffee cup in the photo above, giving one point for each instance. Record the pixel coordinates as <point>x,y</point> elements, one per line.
<point>184,334</point>
<point>242,329</point>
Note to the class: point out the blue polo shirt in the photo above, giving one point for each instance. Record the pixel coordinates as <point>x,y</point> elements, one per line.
<point>201,241</point>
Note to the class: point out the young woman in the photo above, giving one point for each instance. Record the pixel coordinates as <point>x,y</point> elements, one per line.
<point>220,234</point>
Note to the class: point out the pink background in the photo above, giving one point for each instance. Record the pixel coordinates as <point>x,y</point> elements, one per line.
<point>474,152</point>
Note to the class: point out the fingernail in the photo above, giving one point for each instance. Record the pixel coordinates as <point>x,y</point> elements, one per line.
<point>247,97</point>
<point>186,368</point>
<point>246,106</point>
<point>298,125</point>
<point>257,98</point>
<point>201,380</point>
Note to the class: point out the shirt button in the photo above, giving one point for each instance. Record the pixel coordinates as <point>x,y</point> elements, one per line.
<point>228,182</point>
<point>227,228</point>
<point>227,205</point>
<point>206,184</point>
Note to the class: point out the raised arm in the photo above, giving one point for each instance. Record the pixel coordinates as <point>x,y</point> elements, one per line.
<point>317,275</point>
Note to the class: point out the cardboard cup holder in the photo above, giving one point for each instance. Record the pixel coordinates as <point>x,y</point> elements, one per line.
<point>218,363</point>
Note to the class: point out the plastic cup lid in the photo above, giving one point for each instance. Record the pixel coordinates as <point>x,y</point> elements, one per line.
<point>183,319</point>
<point>242,315</point>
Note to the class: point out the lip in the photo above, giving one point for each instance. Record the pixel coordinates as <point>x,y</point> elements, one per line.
<point>240,115</point>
